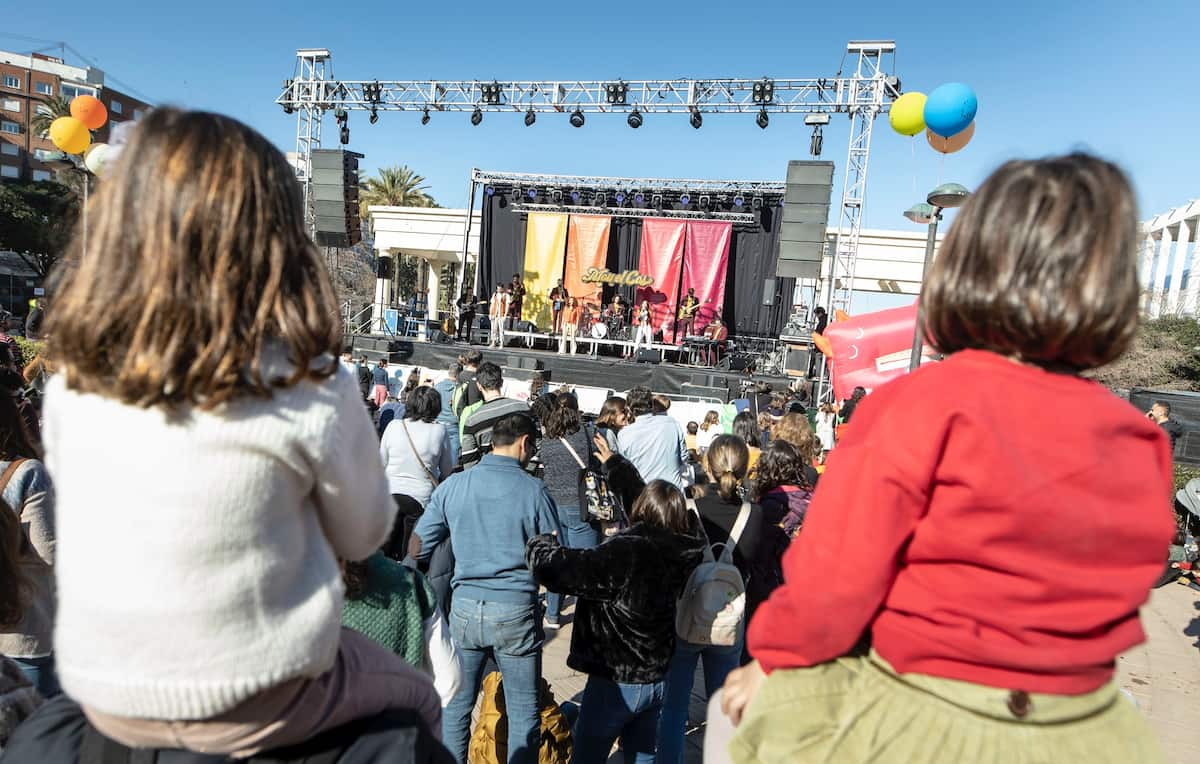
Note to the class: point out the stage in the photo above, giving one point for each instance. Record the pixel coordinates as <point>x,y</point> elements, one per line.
<point>611,372</point>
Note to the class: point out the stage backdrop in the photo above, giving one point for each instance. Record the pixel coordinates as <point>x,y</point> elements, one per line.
<point>587,247</point>
<point>704,265</point>
<point>755,301</point>
<point>545,247</point>
<point>662,260</point>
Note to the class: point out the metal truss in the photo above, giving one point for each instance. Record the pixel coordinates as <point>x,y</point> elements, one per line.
<point>666,186</point>
<point>637,212</point>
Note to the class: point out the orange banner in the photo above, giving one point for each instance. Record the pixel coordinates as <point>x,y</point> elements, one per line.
<point>545,238</point>
<point>587,248</point>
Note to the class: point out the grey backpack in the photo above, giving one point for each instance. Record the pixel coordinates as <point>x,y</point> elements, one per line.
<point>712,606</point>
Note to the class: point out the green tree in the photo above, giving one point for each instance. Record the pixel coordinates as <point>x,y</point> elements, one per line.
<point>45,114</point>
<point>36,221</point>
<point>394,187</point>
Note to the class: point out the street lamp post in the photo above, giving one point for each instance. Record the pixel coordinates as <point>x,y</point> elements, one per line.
<point>945,196</point>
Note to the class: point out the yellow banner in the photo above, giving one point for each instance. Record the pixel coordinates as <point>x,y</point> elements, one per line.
<point>545,244</point>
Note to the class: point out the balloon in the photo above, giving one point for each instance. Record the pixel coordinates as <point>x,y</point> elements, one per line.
<point>841,315</point>
<point>907,114</point>
<point>70,135</point>
<point>97,158</point>
<point>822,344</point>
<point>950,108</point>
<point>88,110</point>
<point>956,142</point>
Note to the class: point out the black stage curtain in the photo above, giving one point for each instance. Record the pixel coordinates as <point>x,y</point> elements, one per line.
<point>753,253</point>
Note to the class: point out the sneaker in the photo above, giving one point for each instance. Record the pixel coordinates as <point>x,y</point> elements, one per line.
<point>552,625</point>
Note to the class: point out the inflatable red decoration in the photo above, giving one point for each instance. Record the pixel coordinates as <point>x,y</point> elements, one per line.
<point>872,348</point>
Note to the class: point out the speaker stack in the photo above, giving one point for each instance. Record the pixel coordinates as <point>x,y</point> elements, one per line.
<point>805,213</point>
<point>335,197</point>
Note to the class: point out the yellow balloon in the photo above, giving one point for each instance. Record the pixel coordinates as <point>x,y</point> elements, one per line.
<point>956,142</point>
<point>70,135</point>
<point>907,114</point>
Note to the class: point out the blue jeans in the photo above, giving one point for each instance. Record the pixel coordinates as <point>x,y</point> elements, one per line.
<point>576,534</point>
<point>611,710</point>
<point>455,445</point>
<point>718,662</point>
<point>41,674</point>
<point>512,634</point>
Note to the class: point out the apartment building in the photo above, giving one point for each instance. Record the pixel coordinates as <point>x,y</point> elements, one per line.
<point>26,83</point>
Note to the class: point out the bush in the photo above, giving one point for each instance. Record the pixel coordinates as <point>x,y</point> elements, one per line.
<point>1165,355</point>
<point>29,350</point>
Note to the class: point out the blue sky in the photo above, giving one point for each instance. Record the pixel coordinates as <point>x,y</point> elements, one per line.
<point>1052,76</point>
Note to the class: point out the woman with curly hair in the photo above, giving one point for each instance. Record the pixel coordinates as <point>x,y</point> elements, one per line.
<point>795,429</point>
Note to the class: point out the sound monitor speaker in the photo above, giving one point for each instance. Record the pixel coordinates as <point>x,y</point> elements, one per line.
<point>805,215</point>
<point>334,197</point>
<point>797,360</point>
<point>649,355</point>
<point>741,362</point>
<point>703,391</point>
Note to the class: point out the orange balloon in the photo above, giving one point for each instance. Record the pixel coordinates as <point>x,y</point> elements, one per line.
<point>956,142</point>
<point>88,110</point>
<point>822,344</point>
<point>841,315</point>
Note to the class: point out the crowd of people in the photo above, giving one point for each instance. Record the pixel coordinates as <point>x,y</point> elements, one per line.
<point>217,538</point>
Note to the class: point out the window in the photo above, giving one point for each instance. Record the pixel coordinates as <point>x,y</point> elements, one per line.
<point>12,81</point>
<point>10,104</point>
<point>42,154</point>
<point>12,128</point>
<point>8,171</point>
<point>41,175</point>
<point>45,88</point>
<point>71,91</point>
<point>9,149</point>
<point>115,107</point>
<point>138,114</point>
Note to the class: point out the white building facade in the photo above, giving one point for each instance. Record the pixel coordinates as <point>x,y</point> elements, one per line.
<point>1166,255</point>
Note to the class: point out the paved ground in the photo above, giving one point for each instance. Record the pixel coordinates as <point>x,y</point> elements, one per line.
<point>1162,675</point>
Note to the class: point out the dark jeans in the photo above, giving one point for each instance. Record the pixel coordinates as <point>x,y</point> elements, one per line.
<point>576,534</point>
<point>408,512</point>
<point>464,326</point>
<point>611,710</point>
<point>718,662</point>
<point>510,633</point>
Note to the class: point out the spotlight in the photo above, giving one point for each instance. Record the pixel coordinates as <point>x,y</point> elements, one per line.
<point>555,196</point>
<point>491,93</point>
<point>704,201</point>
<point>373,92</point>
<point>516,192</point>
<point>762,119</point>
<point>530,118</point>
<point>656,201</point>
<point>635,119</point>
<point>756,203</point>
<point>476,116</point>
<point>490,191</point>
<point>620,198</point>
<point>575,196</point>
<point>532,193</point>
<point>684,200</point>
<point>814,145</point>
<point>374,116</point>
<point>738,201</point>
<point>599,200</point>
<point>616,93</point>
<point>764,91</point>
<point>577,118</point>
<point>638,199</point>
<point>287,90</point>
<point>425,117</point>
<point>344,135</point>
<point>696,119</point>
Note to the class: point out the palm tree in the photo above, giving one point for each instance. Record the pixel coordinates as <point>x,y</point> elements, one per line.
<point>46,113</point>
<point>394,187</point>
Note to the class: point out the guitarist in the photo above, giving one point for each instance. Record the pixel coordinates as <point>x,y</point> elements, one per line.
<point>558,301</point>
<point>687,314</point>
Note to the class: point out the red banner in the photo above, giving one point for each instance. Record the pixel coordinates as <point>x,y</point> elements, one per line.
<point>704,264</point>
<point>870,349</point>
<point>587,247</point>
<point>662,260</point>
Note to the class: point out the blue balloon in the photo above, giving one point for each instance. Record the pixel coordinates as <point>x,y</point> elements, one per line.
<point>950,108</point>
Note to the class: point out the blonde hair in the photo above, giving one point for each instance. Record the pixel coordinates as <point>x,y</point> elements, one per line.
<point>794,428</point>
<point>710,419</point>
<point>727,461</point>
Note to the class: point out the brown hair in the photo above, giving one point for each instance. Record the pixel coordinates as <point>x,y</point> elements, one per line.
<point>354,576</point>
<point>198,259</point>
<point>779,464</point>
<point>727,461</point>
<point>1040,264</point>
<point>563,418</point>
<point>612,408</point>
<point>710,419</point>
<point>661,504</point>
<point>14,594</point>
<point>794,428</point>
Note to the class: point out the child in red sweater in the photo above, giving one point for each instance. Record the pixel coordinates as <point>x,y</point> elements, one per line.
<point>953,516</point>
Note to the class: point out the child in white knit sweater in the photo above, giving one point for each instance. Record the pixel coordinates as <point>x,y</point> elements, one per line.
<point>212,459</point>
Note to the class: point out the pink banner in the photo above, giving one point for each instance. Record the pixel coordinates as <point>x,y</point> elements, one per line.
<point>662,260</point>
<point>870,349</point>
<point>704,264</point>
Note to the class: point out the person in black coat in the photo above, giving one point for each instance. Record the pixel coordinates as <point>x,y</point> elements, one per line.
<point>624,631</point>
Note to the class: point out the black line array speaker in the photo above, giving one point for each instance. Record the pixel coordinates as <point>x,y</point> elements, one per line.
<point>334,176</point>
<point>805,215</point>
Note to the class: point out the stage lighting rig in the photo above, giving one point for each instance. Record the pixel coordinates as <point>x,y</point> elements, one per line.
<point>763,91</point>
<point>476,116</point>
<point>425,117</point>
<point>635,119</point>
<point>491,93</point>
<point>696,119</point>
<point>762,120</point>
<point>530,118</point>
<point>616,93</point>
<point>373,92</point>
<point>576,118</point>
<point>344,135</point>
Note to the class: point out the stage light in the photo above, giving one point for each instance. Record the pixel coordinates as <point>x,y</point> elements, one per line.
<point>476,116</point>
<point>781,202</point>
<point>491,93</point>
<point>344,135</point>
<point>620,198</point>
<point>287,90</point>
<point>373,92</point>
<point>738,201</point>
<point>684,200</point>
<point>599,200</point>
<point>576,118</point>
<point>532,193</point>
<point>656,201</point>
<point>530,118</point>
<point>764,91</point>
<point>756,203</point>
<point>704,201</point>
<point>555,196</point>
<point>374,116</point>
<point>814,145</point>
<point>635,119</point>
<point>638,199</point>
<point>489,190</point>
<point>575,196</point>
<point>762,119</point>
<point>425,117</point>
<point>696,119</point>
<point>616,93</point>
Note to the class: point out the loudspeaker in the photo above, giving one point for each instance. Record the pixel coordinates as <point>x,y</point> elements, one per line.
<point>702,391</point>
<point>805,214</point>
<point>334,197</point>
<point>649,355</point>
<point>740,362</point>
<point>437,335</point>
<point>797,360</point>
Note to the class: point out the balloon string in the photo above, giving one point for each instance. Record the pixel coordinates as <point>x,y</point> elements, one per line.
<point>941,167</point>
<point>912,144</point>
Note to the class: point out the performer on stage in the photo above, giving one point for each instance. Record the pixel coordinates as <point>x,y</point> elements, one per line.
<point>717,332</point>
<point>558,301</point>
<point>516,296</point>
<point>570,326</point>
<point>465,307</point>
<point>687,314</point>
<point>497,313</point>
<point>645,329</point>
